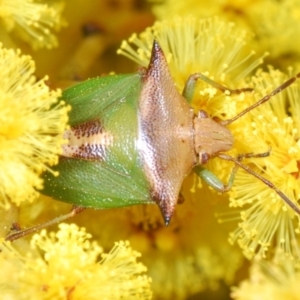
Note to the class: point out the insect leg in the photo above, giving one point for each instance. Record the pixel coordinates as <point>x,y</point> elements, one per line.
<point>189,88</point>
<point>19,234</point>
<point>213,181</point>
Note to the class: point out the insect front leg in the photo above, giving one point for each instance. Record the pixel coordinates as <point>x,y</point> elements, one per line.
<point>190,84</point>
<point>213,181</point>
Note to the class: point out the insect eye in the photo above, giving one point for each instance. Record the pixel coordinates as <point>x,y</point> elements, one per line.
<point>203,158</point>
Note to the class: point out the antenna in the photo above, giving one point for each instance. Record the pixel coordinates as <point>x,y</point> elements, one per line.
<point>262,100</point>
<point>285,198</point>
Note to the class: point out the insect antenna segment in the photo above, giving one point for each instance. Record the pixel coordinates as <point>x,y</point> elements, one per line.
<point>262,100</point>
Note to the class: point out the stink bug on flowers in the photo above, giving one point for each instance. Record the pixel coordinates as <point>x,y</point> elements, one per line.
<point>134,138</point>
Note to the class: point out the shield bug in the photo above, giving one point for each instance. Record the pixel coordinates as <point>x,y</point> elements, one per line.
<point>134,138</point>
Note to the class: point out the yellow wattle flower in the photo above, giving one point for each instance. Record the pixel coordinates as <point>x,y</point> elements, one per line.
<point>67,265</point>
<point>270,280</point>
<point>32,20</point>
<point>276,24</point>
<point>32,122</point>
